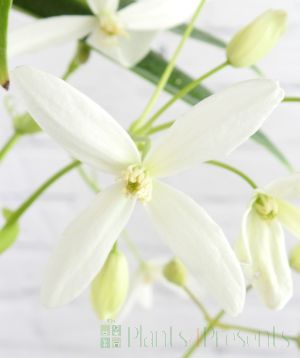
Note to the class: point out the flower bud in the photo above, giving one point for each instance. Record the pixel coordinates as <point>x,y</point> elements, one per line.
<point>256,40</point>
<point>295,258</point>
<point>175,272</point>
<point>109,288</point>
<point>266,206</point>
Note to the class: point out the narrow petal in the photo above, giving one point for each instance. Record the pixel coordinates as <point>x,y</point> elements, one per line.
<point>126,50</point>
<point>271,274</point>
<point>216,126</point>
<point>84,246</point>
<point>99,5</point>
<point>157,14</point>
<point>77,123</point>
<point>48,32</point>
<point>200,244</point>
<point>285,188</point>
<point>289,216</point>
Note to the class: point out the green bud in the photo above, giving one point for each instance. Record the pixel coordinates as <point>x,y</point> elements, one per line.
<point>266,206</point>
<point>109,288</point>
<point>175,272</point>
<point>24,124</point>
<point>295,258</point>
<point>257,39</point>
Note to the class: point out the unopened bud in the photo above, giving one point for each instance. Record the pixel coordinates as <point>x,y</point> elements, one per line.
<point>257,39</point>
<point>295,258</point>
<point>109,288</point>
<point>175,272</point>
<point>83,52</point>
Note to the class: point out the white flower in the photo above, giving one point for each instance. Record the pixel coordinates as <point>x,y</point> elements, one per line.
<point>213,128</point>
<point>262,244</point>
<point>124,35</point>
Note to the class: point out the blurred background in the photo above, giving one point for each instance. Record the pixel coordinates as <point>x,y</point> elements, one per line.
<point>29,330</point>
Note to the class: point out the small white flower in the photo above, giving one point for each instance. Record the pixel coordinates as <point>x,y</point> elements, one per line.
<point>211,129</point>
<point>262,244</point>
<point>124,35</point>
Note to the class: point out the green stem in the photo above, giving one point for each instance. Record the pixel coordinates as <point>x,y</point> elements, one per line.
<point>9,145</point>
<point>291,99</point>
<point>184,91</point>
<point>212,324</point>
<point>5,6</point>
<point>233,170</point>
<point>88,180</point>
<point>160,128</point>
<point>80,57</point>
<point>32,198</point>
<point>230,327</point>
<point>168,71</point>
<point>197,303</point>
<point>135,252</point>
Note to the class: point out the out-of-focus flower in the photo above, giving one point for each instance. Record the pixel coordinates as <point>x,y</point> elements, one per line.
<point>124,35</point>
<point>175,272</point>
<point>91,135</point>
<point>257,39</point>
<point>261,247</point>
<point>109,288</point>
<point>295,258</point>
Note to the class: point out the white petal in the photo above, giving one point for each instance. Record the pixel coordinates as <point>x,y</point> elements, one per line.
<point>201,245</point>
<point>289,216</point>
<point>216,126</point>
<point>271,274</point>
<point>285,188</point>
<point>99,5</point>
<point>127,50</point>
<point>157,14</point>
<point>85,245</point>
<point>51,31</point>
<point>77,123</point>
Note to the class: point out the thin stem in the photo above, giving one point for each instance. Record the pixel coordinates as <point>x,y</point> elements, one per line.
<point>32,198</point>
<point>199,340</point>
<point>9,145</point>
<point>184,91</point>
<point>198,303</point>
<point>135,252</point>
<point>291,99</point>
<point>88,180</point>
<point>168,71</point>
<point>160,128</point>
<point>233,170</point>
<point>231,327</point>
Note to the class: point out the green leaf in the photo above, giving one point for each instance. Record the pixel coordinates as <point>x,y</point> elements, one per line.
<point>24,124</point>
<point>5,6</point>
<point>9,233</point>
<point>201,35</point>
<point>262,139</point>
<point>152,66</point>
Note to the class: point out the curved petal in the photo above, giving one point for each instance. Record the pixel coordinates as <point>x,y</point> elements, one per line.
<point>285,188</point>
<point>85,245</point>
<point>49,32</point>
<point>271,274</point>
<point>77,123</point>
<point>157,14</point>
<point>200,244</point>
<point>98,5</point>
<point>127,50</point>
<point>289,216</point>
<point>216,126</point>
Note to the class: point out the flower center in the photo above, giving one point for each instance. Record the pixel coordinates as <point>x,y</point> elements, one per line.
<point>110,24</point>
<point>137,183</point>
<point>266,206</point>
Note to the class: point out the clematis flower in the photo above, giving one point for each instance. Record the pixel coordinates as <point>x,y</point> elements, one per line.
<point>214,127</point>
<point>262,244</point>
<point>124,35</point>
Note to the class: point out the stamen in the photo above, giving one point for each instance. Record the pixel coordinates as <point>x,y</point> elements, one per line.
<point>137,183</point>
<point>266,206</point>
<point>110,24</point>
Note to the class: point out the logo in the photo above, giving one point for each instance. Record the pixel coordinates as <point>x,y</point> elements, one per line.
<point>110,335</point>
